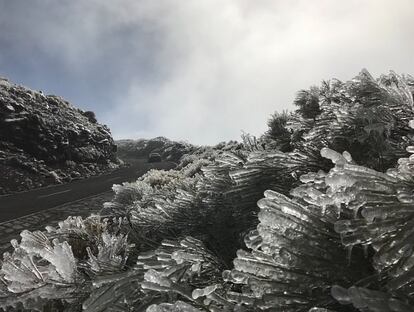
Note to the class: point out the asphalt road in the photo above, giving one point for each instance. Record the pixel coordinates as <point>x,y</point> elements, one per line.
<point>21,204</point>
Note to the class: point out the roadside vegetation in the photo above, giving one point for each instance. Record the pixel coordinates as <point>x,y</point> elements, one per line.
<point>314,215</point>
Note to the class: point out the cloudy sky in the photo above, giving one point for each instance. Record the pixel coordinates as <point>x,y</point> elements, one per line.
<point>197,70</point>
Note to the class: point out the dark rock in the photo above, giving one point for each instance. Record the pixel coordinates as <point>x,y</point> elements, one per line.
<point>41,134</point>
<point>75,174</point>
<point>91,116</point>
<point>54,177</point>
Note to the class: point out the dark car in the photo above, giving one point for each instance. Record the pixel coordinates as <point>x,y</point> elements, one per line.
<point>154,157</point>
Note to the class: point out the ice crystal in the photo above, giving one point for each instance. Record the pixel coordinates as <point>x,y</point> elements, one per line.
<point>22,270</point>
<point>53,265</point>
<point>172,307</point>
<point>333,232</point>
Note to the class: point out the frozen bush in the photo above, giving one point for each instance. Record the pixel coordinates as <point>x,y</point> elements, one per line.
<point>333,232</point>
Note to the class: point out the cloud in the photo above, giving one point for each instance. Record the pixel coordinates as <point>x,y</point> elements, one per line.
<point>203,70</point>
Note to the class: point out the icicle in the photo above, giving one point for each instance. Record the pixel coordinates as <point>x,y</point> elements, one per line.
<point>335,157</point>
<point>197,293</point>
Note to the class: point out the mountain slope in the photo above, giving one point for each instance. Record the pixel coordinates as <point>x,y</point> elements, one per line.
<point>45,140</point>
<point>169,150</point>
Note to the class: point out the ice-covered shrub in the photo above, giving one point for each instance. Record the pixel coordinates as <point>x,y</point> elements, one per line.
<point>333,232</point>
<point>365,116</point>
<point>60,263</point>
<point>279,135</point>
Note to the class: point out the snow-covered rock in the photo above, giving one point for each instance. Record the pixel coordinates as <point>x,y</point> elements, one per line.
<point>168,149</point>
<point>41,133</point>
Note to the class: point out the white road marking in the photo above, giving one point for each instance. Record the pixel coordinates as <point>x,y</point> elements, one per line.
<point>114,178</point>
<point>47,195</point>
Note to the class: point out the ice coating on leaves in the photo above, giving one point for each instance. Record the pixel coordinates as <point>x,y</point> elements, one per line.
<point>338,180</point>
<point>119,291</point>
<point>183,256</point>
<point>203,292</point>
<point>50,266</point>
<point>298,251</point>
<point>334,156</point>
<point>155,277</point>
<point>23,278</point>
<point>352,188</point>
<point>58,254</point>
<point>112,254</point>
<point>187,224</point>
<point>370,300</point>
<point>172,307</point>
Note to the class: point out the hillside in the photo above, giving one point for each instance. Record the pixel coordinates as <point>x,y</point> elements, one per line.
<point>141,148</point>
<point>45,140</point>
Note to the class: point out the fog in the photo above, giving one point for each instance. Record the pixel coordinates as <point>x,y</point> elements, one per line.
<point>197,70</point>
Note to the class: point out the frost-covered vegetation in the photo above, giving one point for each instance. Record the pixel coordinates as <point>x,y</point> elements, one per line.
<point>316,215</point>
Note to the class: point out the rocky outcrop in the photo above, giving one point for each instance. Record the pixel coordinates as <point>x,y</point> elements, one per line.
<point>45,140</point>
